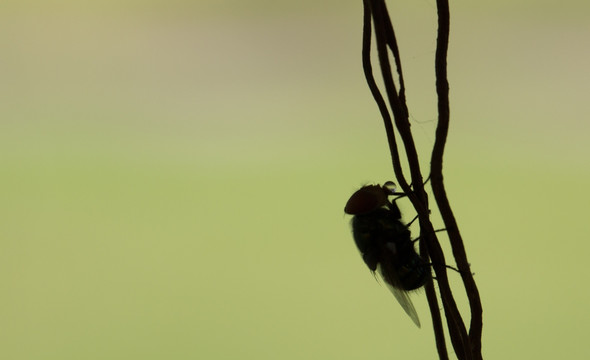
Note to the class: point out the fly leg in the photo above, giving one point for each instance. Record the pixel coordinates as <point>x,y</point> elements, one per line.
<point>418,238</point>
<point>451,268</point>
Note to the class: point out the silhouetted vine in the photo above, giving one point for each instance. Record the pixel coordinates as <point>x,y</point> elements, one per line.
<point>466,343</point>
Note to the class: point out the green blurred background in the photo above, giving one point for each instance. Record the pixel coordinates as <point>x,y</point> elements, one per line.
<point>173,176</point>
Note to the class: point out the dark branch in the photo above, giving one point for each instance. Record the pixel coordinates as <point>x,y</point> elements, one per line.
<point>375,12</point>
<point>438,188</point>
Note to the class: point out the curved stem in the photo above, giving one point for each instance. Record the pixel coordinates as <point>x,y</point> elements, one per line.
<point>466,346</point>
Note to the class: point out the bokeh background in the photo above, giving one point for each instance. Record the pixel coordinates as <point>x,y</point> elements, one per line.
<point>173,176</point>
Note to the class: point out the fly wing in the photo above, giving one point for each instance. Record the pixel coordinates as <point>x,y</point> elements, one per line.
<point>402,297</point>
<point>404,300</point>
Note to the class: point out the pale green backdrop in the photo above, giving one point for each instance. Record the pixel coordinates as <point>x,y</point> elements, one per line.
<point>173,176</point>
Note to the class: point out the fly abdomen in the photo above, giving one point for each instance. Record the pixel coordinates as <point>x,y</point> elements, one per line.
<point>414,273</point>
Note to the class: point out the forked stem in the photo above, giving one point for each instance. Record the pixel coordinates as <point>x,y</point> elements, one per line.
<point>466,345</point>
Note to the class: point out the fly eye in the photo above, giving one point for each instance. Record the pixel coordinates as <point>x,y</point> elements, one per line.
<point>389,187</point>
<point>367,199</point>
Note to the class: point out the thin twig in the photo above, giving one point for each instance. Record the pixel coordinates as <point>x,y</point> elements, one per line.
<point>368,69</point>
<point>439,333</point>
<point>438,189</point>
<point>375,11</point>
